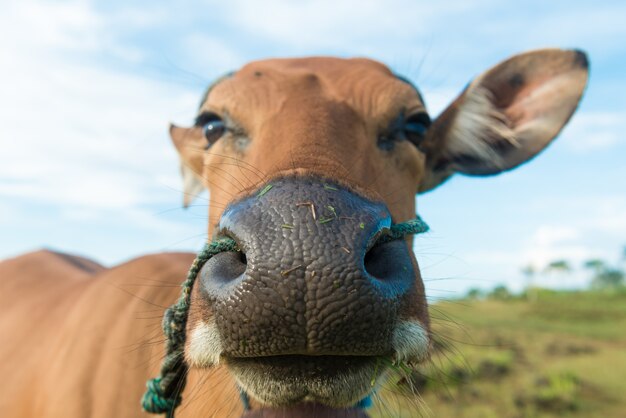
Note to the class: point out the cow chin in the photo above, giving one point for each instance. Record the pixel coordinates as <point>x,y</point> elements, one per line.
<point>284,380</point>
<point>338,381</point>
<point>335,381</point>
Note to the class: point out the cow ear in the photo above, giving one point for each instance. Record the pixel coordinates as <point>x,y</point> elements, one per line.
<point>506,116</point>
<point>190,146</point>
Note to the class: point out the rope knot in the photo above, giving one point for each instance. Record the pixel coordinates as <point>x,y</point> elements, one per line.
<point>401,230</point>
<point>155,401</point>
<point>174,321</point>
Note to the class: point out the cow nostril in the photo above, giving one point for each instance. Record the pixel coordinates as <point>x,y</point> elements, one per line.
<point>374,260</point>
<point>242,257</point>
<point>388,261</point>
<point>226,267</point>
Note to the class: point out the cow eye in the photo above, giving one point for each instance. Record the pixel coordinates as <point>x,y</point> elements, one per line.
<point>415,127</point>
<point>213,127</point>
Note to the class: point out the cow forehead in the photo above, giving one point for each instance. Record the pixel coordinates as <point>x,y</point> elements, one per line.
<point>321,65</point>
<point>262,86</point>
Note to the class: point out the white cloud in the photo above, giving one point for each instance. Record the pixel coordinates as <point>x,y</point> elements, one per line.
<point>351,26</point>
<point>603,34</point>
<point>91,138</point>
<point>85,143</point>
<point>591,131</point>
<point>74,134</point>
<point>70,25</point>
<point>47,28</point>
<point>554,242</point>
<point>211,53</point>
<point>550,235</point>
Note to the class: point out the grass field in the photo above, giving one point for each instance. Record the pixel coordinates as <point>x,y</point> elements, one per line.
<point>561,355</point>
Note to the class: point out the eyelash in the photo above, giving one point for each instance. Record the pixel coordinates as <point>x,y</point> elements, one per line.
<point>412,128</point>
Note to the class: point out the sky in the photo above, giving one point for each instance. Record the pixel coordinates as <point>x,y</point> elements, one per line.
<point>88,89</point>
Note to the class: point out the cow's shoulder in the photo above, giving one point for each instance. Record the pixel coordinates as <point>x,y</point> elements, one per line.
<point>42,273</point>
<point>147,282</point>
<point>87,324</point>
<point>167,266</point>
<point>47,263</point>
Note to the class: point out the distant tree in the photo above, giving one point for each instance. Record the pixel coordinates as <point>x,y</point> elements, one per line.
<point>531,290</point>
<point>608,279</point>
<point>605,276</point>
<point>596,265</point>
<point>500,293</point>
<point>561,266</point>
<point>474,293</point>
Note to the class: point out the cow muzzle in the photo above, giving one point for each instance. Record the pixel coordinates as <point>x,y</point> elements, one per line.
<point>309,309</point>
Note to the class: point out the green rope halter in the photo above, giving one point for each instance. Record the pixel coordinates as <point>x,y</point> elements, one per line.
<point>163,393</point>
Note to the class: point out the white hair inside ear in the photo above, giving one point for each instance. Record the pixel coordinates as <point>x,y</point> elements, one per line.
<point>481,129</point>
<point>192,184</point>
<point>506,116</point>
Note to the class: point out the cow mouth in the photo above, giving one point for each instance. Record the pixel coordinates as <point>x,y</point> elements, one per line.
<point>291,381</point>
<point>308,410</point>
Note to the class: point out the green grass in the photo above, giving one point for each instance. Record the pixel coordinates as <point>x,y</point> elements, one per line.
<point>561,355</point>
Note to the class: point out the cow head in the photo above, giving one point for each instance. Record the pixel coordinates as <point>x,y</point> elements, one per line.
<point>306,162</point>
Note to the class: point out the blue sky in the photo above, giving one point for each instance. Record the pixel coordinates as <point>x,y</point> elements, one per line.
<point>88,89</point>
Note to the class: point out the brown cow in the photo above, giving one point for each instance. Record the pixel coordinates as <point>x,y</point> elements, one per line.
<point>301,318</point>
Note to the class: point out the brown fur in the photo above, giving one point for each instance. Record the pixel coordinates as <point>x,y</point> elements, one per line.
<point>80,341</point>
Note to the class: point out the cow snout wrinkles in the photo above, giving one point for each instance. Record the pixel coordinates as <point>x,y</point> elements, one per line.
<point>311,278</point>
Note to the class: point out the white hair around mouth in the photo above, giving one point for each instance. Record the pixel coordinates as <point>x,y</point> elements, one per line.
<point>205,346</point>
<point>410,341</point>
